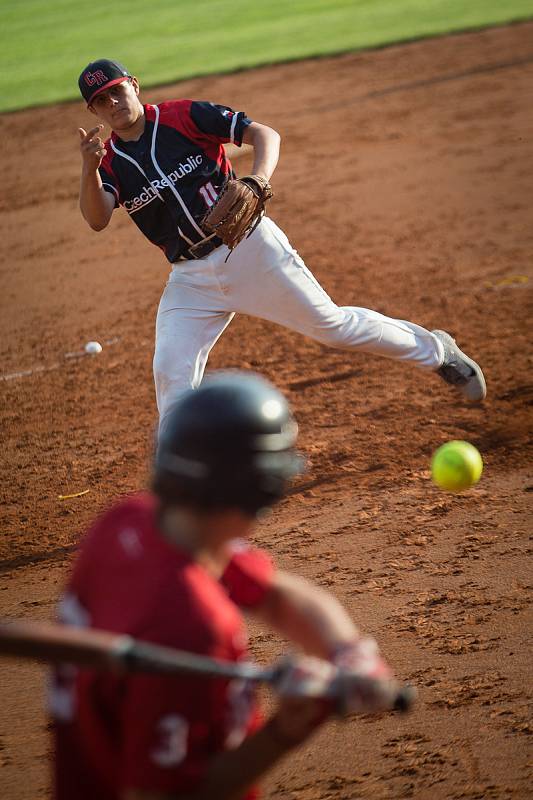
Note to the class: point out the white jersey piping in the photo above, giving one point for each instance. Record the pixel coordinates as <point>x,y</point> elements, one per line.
<point>169,183</point>
<point>111,187</point>
<point>232,129</point>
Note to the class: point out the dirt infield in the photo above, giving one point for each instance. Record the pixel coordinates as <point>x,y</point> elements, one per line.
<point>405,181</point>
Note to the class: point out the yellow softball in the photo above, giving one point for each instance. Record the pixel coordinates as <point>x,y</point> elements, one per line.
<point>456,466</point>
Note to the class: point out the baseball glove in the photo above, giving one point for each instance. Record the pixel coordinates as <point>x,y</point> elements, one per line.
<point>238,209</point>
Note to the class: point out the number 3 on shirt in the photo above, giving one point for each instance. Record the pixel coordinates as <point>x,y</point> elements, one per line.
<point>209,194</point>
<point>173,731</point>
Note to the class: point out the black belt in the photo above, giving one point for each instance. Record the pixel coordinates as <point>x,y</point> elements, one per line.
<point>202,249</point>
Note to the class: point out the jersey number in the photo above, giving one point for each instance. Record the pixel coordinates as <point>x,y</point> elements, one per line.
<point>173,731</point>
<point>209,194</point>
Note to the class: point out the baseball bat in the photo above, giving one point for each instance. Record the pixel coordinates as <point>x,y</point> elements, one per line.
<point>97,649</point>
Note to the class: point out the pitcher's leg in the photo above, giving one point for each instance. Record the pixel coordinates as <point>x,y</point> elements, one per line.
<point>269,279</point>
<point>184,339</point>
<point>372,332</point>
<point>274,283</point>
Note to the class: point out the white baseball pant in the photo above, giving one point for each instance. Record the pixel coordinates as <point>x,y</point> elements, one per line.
<point>264,277</point>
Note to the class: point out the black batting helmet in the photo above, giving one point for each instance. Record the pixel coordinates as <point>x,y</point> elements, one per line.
<point>228,444</point>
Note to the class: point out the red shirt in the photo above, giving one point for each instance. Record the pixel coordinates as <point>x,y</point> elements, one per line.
<point>147,731</point>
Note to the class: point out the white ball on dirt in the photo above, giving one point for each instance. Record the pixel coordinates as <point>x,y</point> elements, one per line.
<point>93,347</point>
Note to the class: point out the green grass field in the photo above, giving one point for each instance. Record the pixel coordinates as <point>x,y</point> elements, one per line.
<point>46,43</point>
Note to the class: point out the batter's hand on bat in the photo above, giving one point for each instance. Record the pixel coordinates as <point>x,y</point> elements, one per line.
<point>365,684</point>
<point>92,147</point>
<point>303,686</point>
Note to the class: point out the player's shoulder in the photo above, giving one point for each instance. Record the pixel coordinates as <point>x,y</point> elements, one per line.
<point>141,504</point>
<point>136,511</point>
<point>248,575</point>
<point>120,543</point>
<point>180,102</point>
<point>242,550</point>
<point>169,107</point>
<point>175,114</point>
<point>107,161</point>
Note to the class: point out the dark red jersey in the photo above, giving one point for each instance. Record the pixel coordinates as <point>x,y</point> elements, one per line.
<point>148,731</point>
<point>170,177</point>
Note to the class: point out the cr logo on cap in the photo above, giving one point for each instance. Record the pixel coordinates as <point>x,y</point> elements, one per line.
<point>97,78</point>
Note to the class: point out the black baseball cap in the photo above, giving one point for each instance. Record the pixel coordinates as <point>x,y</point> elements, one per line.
<point>99,76</point>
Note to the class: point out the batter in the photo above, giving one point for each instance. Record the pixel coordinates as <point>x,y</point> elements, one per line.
<point>166,165</point>
<point>174,567</point>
